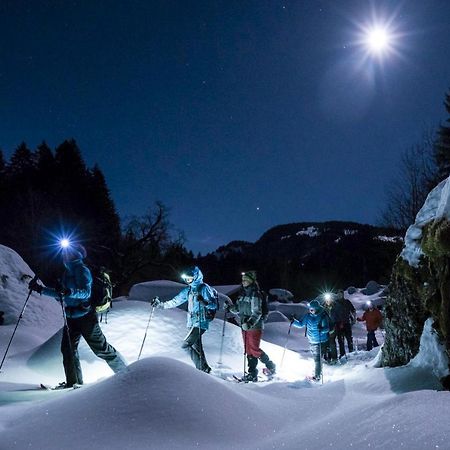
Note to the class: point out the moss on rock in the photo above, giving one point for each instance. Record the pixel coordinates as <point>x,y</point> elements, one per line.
<point>418,293</point>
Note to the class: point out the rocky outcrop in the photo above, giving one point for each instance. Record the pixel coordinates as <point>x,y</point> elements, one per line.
<point>420,283</point>
<point>404,314</point>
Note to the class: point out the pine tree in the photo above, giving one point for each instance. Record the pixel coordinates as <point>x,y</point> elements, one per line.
<point>2,175</point>
<point>442,145</point>
<point>2,163</point>
<point>22,165</point>
<point>46,166</point>
<point>69,160</point>
<point>21,203</point>
<point>104,217</point>
<point>3,191</point>
<point>71,184</point>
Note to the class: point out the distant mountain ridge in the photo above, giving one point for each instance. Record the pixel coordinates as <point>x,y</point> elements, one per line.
<point>307,257</point>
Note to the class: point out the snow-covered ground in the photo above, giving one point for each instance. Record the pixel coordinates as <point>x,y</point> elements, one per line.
<point>162,402</point>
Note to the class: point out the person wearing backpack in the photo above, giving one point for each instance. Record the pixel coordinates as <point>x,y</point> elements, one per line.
<point>317,331</point>
<point>101,293</point>
<point>74,293</point>
<point>202,306</point>
<point>329,308</point>
<point>344,316</point>
<point>249,306</point>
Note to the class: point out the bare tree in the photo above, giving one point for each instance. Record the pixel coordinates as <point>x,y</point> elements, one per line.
<point>146,241</point>
<point>407,192</point>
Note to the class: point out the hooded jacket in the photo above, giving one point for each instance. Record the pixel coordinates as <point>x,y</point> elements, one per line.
<point>249,307</point>
<point>78,278</point>
<point>199,297</point>
<point>317,326</point>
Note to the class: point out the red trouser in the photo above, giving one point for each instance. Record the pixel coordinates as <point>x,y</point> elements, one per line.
<point>252,341</point>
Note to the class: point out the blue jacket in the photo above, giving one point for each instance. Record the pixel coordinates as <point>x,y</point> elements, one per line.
<point>197,308</point>
<point>317,326</point>
<point>77,277</point>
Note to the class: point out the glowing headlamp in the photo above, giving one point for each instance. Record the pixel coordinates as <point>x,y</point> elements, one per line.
<point>186,277</point>
<point>64,243</point>
<point>327,296</point>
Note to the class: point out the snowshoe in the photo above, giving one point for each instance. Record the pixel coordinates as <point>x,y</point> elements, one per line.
<point>247,378</point>
<point>269,373</point>
<point>64,385</point>
<point>313,379</point>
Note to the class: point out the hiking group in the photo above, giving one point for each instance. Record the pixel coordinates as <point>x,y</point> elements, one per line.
<point>325,321</point>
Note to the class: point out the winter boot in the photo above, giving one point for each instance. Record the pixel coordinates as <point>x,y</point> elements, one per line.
<point>270,366</point>
<point>252,374</point>
<point>62,385</point>
<point>250,378</point>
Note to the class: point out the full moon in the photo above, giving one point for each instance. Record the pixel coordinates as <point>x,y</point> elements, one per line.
<point>377,40</point>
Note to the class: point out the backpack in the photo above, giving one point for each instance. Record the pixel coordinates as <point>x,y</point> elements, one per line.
<point>101,292</point>
<point>210,313</point>
<point>264,305</point>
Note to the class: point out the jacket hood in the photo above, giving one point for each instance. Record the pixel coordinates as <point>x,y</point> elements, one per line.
<point>316,305</point>
<point>198,277</point>
<point>71,264</point>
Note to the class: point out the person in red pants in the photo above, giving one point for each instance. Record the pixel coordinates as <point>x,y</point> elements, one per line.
<point>249,308</point>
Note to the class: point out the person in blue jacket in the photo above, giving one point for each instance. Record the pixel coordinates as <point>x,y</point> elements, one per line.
<point>74,292</point>
<point>317,331</point>
<point>201,310</point>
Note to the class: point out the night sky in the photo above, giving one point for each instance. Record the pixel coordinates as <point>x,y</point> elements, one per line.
<point>238,115</point>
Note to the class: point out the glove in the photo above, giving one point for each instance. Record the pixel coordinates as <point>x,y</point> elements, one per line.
<point>201,299</point>
<point>292,319</point>
<point>155,302</point>
<point>64,292</point>
<point>245,326</point>
<point>33,285</point>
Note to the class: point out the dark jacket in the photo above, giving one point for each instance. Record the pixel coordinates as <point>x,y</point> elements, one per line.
<point>249,308</point>
<point>343,312</point>
<point>77,277</point>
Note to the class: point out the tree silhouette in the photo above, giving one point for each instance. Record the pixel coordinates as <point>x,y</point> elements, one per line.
<point>442,145</point>
<point>45,194</point>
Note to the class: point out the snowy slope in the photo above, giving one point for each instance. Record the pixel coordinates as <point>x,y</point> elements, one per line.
<point>162,402</point>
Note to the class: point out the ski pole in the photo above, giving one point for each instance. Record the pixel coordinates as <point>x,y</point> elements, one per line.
<point>285,345</point>
<point>320,350</point>
<point>145,335</point>
<point>320,355</point>
<point>17,324</point>
<point>66,328</point>
<point>222,338</point>
<point>245,352</point>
